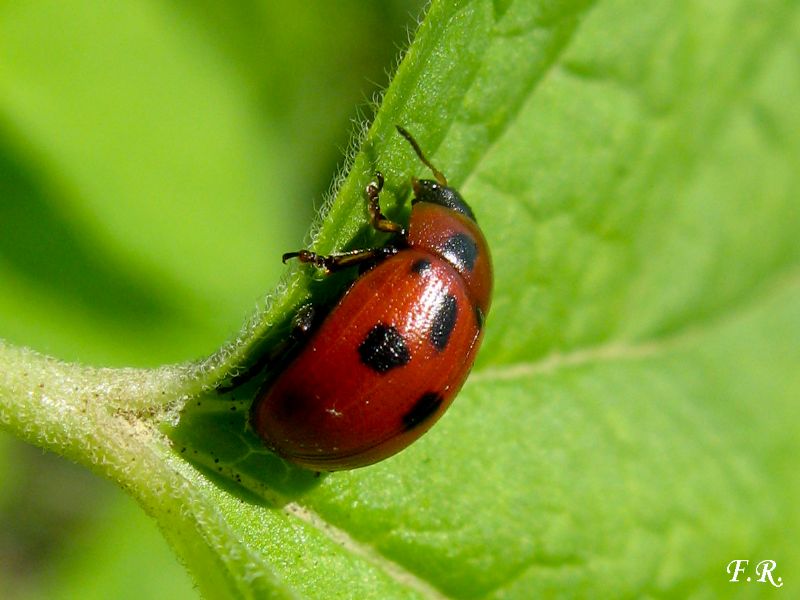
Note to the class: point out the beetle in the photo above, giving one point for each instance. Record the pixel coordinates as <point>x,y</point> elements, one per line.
<point>388,359</point>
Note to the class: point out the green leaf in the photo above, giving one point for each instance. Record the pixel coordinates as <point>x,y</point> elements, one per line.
<point>631,425</point>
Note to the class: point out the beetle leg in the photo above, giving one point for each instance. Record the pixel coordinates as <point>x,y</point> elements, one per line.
<point>377,219</point>
<point>303,324</point>
<point>303,321</point>
<point>335,262</point>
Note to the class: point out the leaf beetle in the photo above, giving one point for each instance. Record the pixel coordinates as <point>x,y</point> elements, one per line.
<point>388,359</point>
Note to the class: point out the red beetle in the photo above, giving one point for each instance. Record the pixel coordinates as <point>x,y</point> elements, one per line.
<point>389,358</point>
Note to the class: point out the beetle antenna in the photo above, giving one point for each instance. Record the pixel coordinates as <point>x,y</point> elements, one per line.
<point>436,172</point>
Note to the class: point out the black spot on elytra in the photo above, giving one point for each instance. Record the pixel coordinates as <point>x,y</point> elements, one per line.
<point>444,321</point>
<point>461,250</point>
<point>421,265</point>
<point>423,409</point>
<point>383,349</point>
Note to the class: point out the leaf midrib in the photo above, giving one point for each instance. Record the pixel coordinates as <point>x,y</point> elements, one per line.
<point>621,350</point>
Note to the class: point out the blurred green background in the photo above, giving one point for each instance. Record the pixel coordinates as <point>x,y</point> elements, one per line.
<point>155,160</point>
